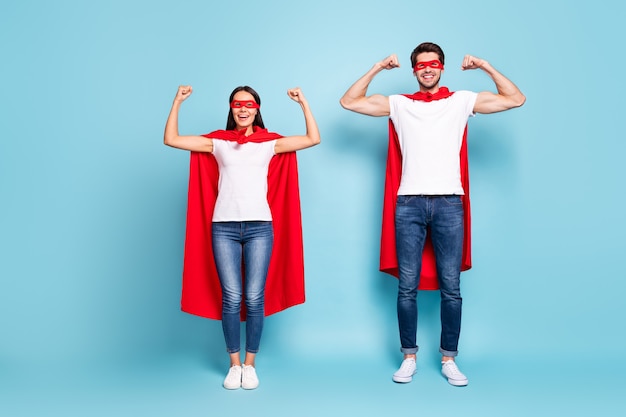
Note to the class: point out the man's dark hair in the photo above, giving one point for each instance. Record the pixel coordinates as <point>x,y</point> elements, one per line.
<point>258,120</point>
<point>427,47</point>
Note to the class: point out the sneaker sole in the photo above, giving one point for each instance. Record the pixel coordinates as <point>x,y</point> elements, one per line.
<point>402,379</point>
<point>457,383</point>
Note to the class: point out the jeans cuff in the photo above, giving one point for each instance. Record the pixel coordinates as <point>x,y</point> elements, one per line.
<point>450,353</point>
<point>409,351</point>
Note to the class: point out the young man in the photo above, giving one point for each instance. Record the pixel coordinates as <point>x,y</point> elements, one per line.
<point>431,216</point>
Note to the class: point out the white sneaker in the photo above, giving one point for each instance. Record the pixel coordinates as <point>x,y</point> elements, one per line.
<point>233,378</point>
<point>406,371</point>
<point>451,371</point>
<point>249,380</point>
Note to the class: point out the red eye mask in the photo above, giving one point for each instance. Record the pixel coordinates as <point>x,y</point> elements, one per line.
<point>249,104</point>
<point>435,63</point>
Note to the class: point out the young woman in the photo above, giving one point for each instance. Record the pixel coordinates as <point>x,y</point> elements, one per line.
<point>244,232</point>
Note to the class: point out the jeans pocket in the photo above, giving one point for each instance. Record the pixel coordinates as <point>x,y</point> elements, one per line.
<point>403,199</point>
<point>453,200</point>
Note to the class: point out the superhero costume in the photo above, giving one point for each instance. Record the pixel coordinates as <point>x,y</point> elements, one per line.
<point>284,288</point>
<point>393,173</point>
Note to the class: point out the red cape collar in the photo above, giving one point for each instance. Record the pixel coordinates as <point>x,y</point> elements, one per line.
<point>442,93</point>
<point>258,135</point>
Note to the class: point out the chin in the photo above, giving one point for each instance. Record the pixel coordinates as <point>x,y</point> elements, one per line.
<point>430,84</point>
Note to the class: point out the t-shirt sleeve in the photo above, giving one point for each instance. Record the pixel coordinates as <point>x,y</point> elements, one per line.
<point>271,147</point>
<point>469,100</point>
<point>393,106</point>
<point>217,146</point>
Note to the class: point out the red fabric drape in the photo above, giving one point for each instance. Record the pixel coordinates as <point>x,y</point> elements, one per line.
<point>393,173</point>
<point>201,292</point>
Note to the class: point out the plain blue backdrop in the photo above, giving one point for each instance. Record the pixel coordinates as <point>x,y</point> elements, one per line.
<point>92,208</point>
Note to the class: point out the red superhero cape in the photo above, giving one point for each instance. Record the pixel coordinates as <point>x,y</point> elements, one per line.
<point>284,288</point>
<point>388,257</point>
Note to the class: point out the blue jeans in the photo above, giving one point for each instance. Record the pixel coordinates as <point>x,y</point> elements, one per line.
<point>252,242</point>
<point>442,217</point>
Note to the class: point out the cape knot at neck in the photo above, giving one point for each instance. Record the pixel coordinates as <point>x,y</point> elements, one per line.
<point>241,136</point>
<point>427,96</point>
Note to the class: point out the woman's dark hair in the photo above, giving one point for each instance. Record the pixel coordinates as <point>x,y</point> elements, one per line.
<point>258,120</point>
<point>427,47</point>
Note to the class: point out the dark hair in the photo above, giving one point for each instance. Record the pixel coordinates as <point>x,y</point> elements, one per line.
<point>426,47</point>
<point>258,120</point>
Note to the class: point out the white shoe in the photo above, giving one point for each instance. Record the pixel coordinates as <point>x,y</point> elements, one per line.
<point>233,378</point>
<point>406,371</point>
<point>249,380</point>
<point>451,371</point>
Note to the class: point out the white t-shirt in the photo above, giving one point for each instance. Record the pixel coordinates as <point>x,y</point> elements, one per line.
<point>242,185</point>
<point>430,136</point>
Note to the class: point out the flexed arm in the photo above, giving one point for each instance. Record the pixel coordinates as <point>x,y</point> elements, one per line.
<point>171,136</point>
<point>312,136</point>
<point>355,98</point>
<point>508,96</point>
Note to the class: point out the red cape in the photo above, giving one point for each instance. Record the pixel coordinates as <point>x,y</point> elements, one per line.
<point>388,257</point>
<point>284,288</point>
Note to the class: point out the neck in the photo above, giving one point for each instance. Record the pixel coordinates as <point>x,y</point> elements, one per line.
<point>247,130</point>
<point>431,90</point>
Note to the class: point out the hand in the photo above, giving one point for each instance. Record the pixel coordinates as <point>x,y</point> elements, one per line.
<point>296,95</point>
<point>390,62</point>
<point>184,91</point>
<point>472,62</point>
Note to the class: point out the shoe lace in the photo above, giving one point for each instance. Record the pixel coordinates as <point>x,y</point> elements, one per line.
<point>406,364</point>
<point>452,368</point>
<point>249,372</point>
<point>232,373</point>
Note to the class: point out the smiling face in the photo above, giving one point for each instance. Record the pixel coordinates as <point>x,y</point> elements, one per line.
<point>243,115</point>
<point>428,77</point>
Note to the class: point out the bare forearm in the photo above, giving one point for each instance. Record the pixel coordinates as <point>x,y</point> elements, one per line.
<point>171,127</point>
<point>356,98</point>
<point>504,86</point>
<point>508,95</point>
<point>172,138</point>
<point>312,131</point>
<point>312,136</point>
<point>358,90</point>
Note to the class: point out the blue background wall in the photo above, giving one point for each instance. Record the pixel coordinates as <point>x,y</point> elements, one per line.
<point>92,208</point>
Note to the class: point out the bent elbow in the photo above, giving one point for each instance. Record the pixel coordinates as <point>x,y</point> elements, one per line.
<point>169,140</point>
<point>345,103</point>
<point>517,100</point>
